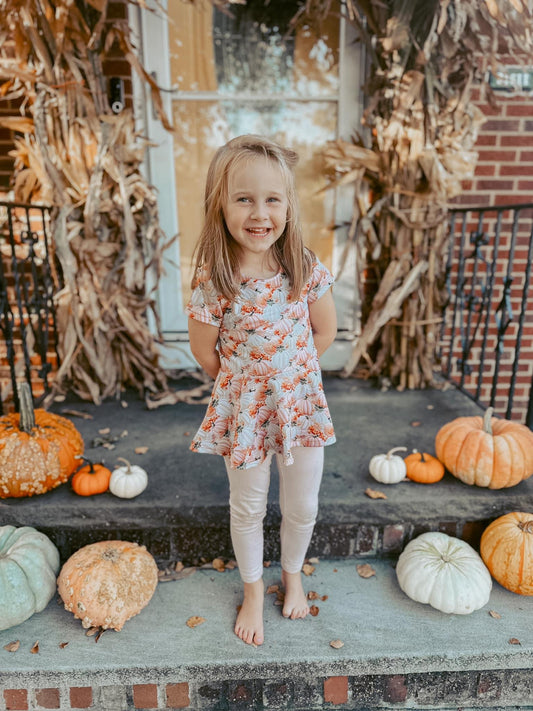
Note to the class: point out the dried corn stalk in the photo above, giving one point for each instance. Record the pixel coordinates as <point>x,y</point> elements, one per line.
<point>420,128</point>
<point>73,153</point>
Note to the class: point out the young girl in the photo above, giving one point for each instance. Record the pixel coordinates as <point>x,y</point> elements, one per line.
<point>261,314</point>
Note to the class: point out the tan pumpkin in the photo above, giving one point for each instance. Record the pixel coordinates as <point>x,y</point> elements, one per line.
<point>105,584</point>
<point>38,449</point>
<point>507,550</point>
<point>486,451</point>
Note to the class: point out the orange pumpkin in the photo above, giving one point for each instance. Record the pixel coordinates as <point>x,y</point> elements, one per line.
<point>38,450</point>
<point>487,451</point>
<point>423,468</point>
<point>106,583</point>
<point>507,551</point>
<point>91,479</point>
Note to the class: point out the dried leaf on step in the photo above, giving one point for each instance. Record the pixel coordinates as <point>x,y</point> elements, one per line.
<point>91,631</point>
<point>308,569</point>
<point>272,589</point>
<point>365,570</point>
<point>218,564</point>
<point>314,610</point>
<point>77,413</point>
<point>266,564</point>
<point>416,423</point>
<point>312,595</point>
<point>100,633</point>
<point>313,561</point>
<point>167,575</point>
<point>179,566</point>
<point>35,648</point>
<point>104,430</point>
<point>62,645</point>
<point>231,565</point>
<point>513,640</point>
<point>495,614</point>
<point>194,621</point>
<point>375,494</point>
<point>141,450</point>
<point>12,646</point>
<point>336,644</point>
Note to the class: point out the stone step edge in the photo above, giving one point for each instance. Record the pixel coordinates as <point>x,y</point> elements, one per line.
<point>191,545</point>
<point>426,690</point>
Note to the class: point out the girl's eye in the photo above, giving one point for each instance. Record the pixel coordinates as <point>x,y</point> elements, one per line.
<point>242,199</point>
<point>273,199</point>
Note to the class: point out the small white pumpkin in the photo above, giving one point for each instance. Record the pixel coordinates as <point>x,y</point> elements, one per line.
<point>128,481</point>
<point>29,563</point>
<point>444,572</point>
<point>388,468</point>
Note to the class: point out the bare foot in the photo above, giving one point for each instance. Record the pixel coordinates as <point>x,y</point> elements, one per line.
<point>295,605</point>
<point>249,624</point>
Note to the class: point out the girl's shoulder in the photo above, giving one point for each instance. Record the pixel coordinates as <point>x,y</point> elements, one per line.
<point>320,279</point>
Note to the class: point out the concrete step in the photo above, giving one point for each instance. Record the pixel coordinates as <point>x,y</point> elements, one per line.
<point>183,514</point>
<point>397,654</point>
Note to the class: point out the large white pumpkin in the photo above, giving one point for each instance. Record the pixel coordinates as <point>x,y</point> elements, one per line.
<point>444,572</point>
<point>29,563</point>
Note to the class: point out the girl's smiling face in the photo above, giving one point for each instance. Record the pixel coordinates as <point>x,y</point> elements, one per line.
<point>255,210</point>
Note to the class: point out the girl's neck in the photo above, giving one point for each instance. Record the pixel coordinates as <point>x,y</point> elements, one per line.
<point>263,268</point>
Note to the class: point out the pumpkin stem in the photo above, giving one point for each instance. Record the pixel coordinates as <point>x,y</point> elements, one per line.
<point>395,449</point>
<point>27,415</point>
<point>422,458</point>
<point>487,424</point>
<point>526,526</point>
<point>89,462</point>
<point>121,459</point>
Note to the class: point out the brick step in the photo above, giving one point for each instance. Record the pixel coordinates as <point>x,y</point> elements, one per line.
<point>397,653</point>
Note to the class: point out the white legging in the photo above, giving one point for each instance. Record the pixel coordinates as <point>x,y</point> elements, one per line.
<point>299,484</point>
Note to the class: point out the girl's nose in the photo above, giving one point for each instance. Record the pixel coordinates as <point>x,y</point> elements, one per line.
<point>259,212</point>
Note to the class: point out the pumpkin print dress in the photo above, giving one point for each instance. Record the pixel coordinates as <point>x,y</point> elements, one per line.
<point>268,395</point>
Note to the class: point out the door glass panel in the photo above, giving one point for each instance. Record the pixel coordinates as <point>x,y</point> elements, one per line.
<point>245,74</point>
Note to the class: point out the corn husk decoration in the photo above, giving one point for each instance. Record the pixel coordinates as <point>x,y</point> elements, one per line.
<point>71,151</point>
<point>420,128</point>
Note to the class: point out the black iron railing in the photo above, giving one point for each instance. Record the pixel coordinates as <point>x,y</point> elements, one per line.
<point>29,278</point>
<point>486,345</point>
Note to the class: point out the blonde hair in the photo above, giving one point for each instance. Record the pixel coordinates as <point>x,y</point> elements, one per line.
<point>215,252</point>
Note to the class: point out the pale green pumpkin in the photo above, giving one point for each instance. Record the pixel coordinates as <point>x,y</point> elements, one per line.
<point>29,563</point>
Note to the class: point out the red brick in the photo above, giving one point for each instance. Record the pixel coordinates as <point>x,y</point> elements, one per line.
<point>519,109</point>
<point>16,699</point>
<point>177,696</point>
<point>526,156</point>
<point>516,140</point>
<point>526,186</point>
<point>145,696</point>
<point>516,169</point>
<point>336,689</point>
<point>498,125</point>
<point>482,169</point>
<point>81,697</point>
<point>47,698</point>
<point>494,185</point>
<point>497,156</point>
<point>395,689</point>
<point>488,139</point>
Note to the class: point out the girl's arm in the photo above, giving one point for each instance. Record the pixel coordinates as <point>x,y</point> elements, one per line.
<point>203,338</point>
<point>323,321</point>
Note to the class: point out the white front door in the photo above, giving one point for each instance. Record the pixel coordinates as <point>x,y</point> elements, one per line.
<point>226,75</point>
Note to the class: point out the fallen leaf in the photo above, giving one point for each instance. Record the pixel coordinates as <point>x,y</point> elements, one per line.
<point>91,631</point>
<point>272,589</point>
<point>124,434</point>
<point>77,413</point>
<point>62,645</point>
<point>312,595</point>
<point>266,564</point>
<point>308,569</point>
<point>416,423</point>
<point>194,621</point>
<point>35,648</point>
<point>100,633</point>
<point>336,644</point>
<point>374,494</point>
<point>495,614</point>
<point>231,565</point>
<point>513,640</point>
<point>313,561</point>
<point>335,570</point>
<point>314,610</point>
<point>141,450</point>
<point>187,434</point>
<point>365,570</point>
<point>104,431</point>
<point>179,566</point>
<point>218,564</point>
<point>431,407</point>
<point>164,576</point>
<point>124,403</point>
<point>12,646</point>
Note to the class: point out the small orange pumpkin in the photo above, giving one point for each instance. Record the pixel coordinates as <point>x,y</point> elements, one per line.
<point>91,479</point>
<point>486,451</point>
<point>423,468</point>
<point>507,550</point>
<point>38,449</point>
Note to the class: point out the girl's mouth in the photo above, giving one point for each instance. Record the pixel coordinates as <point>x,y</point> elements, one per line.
<point>259,231</point>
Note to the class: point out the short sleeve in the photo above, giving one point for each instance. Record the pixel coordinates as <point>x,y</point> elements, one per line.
<point>205,304</point>
<point>319,282</point>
